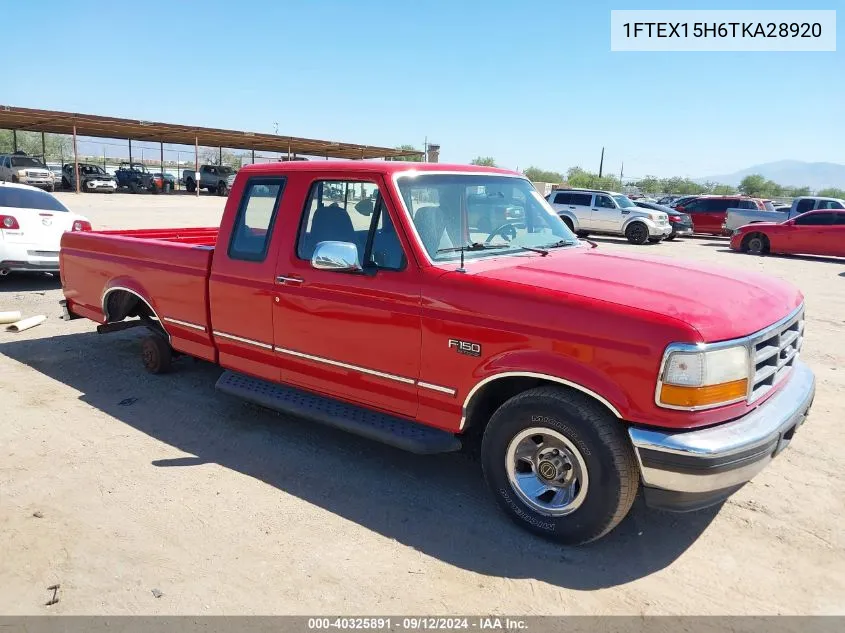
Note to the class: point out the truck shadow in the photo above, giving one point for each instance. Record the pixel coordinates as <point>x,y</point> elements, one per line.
<point>437,505</point>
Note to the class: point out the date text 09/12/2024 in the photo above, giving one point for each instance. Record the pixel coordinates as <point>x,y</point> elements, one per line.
<point>722,29</point>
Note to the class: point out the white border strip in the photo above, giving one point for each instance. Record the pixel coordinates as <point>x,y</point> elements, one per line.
<point>336,363</point>
<point>428,385</point>
<point>193,326</point>
<point>243,340</point>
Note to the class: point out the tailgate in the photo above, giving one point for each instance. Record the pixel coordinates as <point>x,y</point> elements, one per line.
<point>170,276</point>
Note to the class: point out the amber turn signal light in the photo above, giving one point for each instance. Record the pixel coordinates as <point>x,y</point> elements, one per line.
<point>676,396</point>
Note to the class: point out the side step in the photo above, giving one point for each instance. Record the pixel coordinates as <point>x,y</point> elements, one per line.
<point>404,434</point>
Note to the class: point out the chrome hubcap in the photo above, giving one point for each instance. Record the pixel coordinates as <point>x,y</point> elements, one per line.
<point>755,245</point>
<point>547,471</point>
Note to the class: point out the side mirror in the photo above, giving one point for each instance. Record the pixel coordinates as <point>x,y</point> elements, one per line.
<point>336,256</point>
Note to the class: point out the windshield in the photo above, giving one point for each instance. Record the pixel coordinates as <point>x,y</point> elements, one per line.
<point>501,213</point>
<point>20,198</point>
<point>25,161</point>
<point>624,202</point>
<point>91,169</point>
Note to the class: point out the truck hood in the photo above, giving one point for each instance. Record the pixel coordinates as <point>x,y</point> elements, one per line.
<point>720,303</point>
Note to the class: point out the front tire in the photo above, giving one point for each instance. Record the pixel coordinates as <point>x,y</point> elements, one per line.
<point>756,244</point>
<point>191,186</point>
<point>636,233</point>
<point>221,189</point>
<point>559,465</point>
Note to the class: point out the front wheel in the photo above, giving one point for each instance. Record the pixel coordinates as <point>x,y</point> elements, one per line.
<point>221,189</point>
<point>756,244</point>
<point>560,465</point>
<point>191,186</point>
<point>637,233</point>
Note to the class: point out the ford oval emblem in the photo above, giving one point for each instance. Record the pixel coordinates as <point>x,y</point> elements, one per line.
<point>46,221</point>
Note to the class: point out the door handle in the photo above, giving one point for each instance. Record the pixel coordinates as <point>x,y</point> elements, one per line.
<point>594,209</point>
<point>625,212</point>
<point>571,206</point>
<point>281,279</point>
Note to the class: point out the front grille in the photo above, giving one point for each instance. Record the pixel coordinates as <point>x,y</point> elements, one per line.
<point>773,353</point>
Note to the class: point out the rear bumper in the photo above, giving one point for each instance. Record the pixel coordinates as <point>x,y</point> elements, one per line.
<point>689,470</point>
<point>681,229</point>
<point>22,257</point>
<point>658,230</point>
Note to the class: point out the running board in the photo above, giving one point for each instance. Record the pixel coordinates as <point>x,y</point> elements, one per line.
<point>404,434</point>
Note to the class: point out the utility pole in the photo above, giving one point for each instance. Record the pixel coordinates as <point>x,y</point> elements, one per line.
<point>621,170</point>
<point>601,164</point>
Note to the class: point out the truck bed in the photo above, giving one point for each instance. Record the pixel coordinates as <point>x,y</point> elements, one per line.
<point>166,268</point>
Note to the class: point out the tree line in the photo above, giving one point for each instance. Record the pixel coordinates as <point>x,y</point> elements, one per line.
<point>753,185</point>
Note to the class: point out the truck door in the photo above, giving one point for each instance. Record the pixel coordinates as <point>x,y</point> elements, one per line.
<point>241,285</point>
<point>353,335</point>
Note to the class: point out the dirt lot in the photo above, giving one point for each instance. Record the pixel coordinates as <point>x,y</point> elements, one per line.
<point>143,482</point>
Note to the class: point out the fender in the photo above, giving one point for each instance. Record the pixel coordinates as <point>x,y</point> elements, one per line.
<point>553,367</point>
<point>639,218</point>
<point>134,287</point>
<point>571,216</point>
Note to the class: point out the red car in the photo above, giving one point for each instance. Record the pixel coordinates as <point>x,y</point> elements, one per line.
<point>709,212</point>
<point>581,375</point>
<point>813,233</point>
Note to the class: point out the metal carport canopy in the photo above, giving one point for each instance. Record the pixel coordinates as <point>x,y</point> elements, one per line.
<point>29,119</point>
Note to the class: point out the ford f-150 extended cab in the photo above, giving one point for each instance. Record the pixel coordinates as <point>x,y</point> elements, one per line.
<point>372,296</point>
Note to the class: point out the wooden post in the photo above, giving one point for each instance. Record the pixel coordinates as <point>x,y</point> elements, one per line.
<point>163,180</point>
<point>197,164</point>
<point>14,140</point>
<point>43,149</point>
<point>75,160</point>
<point>130,153</point>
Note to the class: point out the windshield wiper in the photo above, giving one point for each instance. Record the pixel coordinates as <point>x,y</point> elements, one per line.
<point>559,244</point>
<point>475,246</point>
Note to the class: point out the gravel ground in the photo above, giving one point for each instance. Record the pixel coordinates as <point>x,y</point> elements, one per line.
<point>121,487</point>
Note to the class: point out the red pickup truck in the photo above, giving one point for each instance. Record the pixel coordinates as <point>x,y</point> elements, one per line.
<point>429,306</point>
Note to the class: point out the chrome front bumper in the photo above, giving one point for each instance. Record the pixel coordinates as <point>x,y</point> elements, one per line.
<point>688,470</point>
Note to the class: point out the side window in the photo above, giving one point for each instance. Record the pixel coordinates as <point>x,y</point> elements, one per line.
<point>805,205</point>
<point>692,205</point>
<point>256,215</point>
<point>720,204</point>
<point>816,219</point>
<point>581,199</point>
<point>563,198</point>
<point>604,202</point>
<point>836,205</point>
<point>746,204</point>
<point>354,212</point>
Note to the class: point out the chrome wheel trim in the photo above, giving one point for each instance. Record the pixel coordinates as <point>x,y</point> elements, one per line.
<point>547,471</point>
<point>755,245</point>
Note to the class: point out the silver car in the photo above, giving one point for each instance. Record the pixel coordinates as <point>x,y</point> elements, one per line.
<point>591,211</point>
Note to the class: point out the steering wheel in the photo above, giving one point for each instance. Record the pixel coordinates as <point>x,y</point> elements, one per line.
<point>507,231</point>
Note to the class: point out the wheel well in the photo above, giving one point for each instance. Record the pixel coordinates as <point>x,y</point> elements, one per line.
<point>120,304</point>
<point>484,402</point>
<point>568,222</point>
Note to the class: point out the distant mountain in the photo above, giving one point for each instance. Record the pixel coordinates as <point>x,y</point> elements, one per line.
<point>793,173</point>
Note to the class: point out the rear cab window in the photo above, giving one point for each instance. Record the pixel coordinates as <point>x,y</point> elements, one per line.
<point>256,215</point>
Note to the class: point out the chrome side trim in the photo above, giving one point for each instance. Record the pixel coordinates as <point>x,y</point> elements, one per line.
<point>130,291</point>
<point>746,341</point>
<point>193,326</point>
<point>337,363</point>
<point>241,339</point>
<point>433,387</point>
<point>529,374</point>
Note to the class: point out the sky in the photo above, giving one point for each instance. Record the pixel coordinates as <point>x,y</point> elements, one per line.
<point>528,83</point>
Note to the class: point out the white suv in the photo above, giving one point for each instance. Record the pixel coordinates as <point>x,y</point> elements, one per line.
<point>589,211</point>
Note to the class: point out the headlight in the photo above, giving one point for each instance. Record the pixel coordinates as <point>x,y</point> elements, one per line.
<point>703,379</point>
<point>22,172</point>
